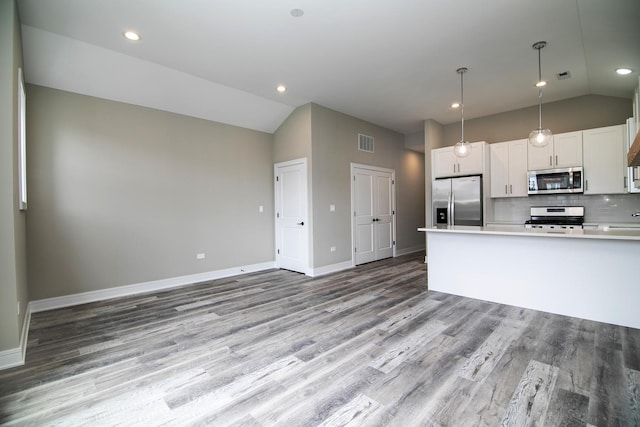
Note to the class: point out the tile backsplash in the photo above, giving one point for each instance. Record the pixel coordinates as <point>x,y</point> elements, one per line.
<point>597,208</point>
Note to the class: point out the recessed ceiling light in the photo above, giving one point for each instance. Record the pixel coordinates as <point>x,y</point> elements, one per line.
<point>623,71</point>
<point>281,88</point>
<point>455,105</point>
<point>131,35</point>
<point>541,83</point>
<point>296,13</point>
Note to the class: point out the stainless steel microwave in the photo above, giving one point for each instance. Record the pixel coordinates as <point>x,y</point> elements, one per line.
<point>556,181</point>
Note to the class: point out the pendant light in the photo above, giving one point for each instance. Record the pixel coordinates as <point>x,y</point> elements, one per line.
<point>541,136</point>
<point>462,148</point>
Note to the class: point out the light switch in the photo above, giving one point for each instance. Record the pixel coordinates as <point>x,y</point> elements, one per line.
<point>260,208</point>
<point>332,208</point>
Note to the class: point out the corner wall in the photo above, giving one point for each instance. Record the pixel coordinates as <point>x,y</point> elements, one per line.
<point>122,194</point>
<point>13,273</point>
<point>334,148</point>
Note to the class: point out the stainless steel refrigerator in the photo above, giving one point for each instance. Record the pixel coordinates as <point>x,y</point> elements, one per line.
<point>457,201</point>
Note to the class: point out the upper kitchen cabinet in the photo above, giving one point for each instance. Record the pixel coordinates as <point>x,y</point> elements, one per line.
<point>604,160</point>
<point>444,163</point>
<point>509,169</point>
<point>565,151</point>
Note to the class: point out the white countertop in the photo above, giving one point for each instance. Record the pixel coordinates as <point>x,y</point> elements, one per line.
<point>605,233</point>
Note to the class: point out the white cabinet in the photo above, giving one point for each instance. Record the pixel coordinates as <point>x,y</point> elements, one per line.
<point>604,160</point>
<point>444,163</point>
<point>509,168</point>
<point>565,151</point>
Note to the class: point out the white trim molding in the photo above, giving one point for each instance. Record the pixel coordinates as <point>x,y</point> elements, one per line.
<point>144,287</point>
<point>411,250</point>
<point>11,358</point>
<point>328,269</point>
<point>16,356</point>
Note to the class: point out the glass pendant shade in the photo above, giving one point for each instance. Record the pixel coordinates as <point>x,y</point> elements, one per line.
<point>540,137</point>
<point>462,148</point>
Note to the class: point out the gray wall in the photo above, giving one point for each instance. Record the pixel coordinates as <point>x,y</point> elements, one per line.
<point>121,194</point>
<point>583,112</point>
<point>411,195</point>
<point>292,140</point>
<point>13,273</point>
<point>334,148</point>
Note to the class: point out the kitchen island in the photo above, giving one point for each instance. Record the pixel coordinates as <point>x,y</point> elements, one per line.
<point>590,274</point>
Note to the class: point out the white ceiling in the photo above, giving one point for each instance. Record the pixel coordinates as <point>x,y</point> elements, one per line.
<point>392,63</point>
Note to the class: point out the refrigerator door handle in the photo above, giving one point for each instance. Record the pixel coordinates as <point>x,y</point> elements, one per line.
<point>452,203</point>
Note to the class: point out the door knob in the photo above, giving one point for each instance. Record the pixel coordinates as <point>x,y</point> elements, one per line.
<point>301,223</point>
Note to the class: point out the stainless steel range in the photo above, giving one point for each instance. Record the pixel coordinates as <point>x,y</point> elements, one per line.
<point>556,217</point>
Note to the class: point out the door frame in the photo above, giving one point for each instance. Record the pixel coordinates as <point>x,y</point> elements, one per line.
<point>276,205</point>
<point>353,168</point>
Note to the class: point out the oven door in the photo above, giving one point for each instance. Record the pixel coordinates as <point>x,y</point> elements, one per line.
<point>555,181</point>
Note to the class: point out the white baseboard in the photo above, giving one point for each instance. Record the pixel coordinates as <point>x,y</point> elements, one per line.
<point>16,356</point>
<point>10,358</point>
<point>410,250</point>
<point>327,269</point>
<point>144,287</point>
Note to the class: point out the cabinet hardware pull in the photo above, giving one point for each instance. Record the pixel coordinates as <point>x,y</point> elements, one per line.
<point>556,160</point>
<point>586,185</point>
<point>511,188</point>
<point>550,161</point>
<point>505,189</point>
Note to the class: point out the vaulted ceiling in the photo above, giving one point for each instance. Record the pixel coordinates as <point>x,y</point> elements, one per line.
<point>392,63</point>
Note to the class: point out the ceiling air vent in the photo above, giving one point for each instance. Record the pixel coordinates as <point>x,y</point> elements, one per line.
<point>365,143</point>
<point>564,75</point>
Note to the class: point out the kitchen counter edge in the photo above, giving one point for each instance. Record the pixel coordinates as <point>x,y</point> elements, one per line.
<point>611,234</point>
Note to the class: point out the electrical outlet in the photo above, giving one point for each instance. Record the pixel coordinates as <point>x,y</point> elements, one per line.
<point>260,208</point>
<point>332,249</point>
<point>200,255</point>
<point>332,208</point>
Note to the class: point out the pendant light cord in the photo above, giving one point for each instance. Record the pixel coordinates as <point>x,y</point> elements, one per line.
<point>539,108</point>
<point>539,89</point>
<point>461,71</point>
<point>462,103</point>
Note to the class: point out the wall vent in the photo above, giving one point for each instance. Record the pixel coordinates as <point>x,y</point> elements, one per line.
<point>365,143</point>
<point>563,75</point>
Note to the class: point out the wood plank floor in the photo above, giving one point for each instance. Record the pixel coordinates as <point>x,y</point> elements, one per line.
<point>365,347</point>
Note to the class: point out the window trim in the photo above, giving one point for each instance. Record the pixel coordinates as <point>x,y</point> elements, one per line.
<point>22,142</point>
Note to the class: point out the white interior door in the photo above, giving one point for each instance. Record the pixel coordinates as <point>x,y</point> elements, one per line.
<point>292,224</point>
<point>373,202</point>
<point>383,234</point>
<point>364,216</point>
